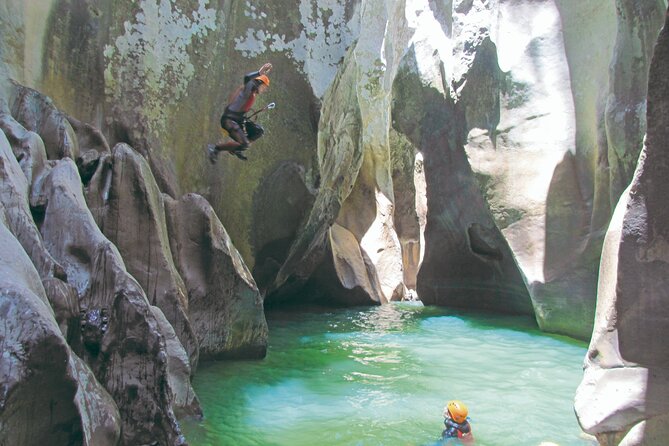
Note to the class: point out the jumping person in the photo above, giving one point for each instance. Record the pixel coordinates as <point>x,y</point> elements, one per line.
<point>234,116</point>
<point>456,422</point>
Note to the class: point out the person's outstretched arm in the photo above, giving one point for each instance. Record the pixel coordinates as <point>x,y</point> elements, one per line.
<point>265,69</point>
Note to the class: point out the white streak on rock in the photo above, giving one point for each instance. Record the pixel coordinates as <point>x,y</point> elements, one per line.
<point>320,47</point>
<point>152,54</point>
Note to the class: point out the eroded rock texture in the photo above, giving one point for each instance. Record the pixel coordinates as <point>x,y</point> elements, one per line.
<point>128,354</point>
<point>34,360</point>
<point>225,308</point>
<point>128,206</point>
<point>15,189</point>
<point>37,364</point>
<point>624,395</point>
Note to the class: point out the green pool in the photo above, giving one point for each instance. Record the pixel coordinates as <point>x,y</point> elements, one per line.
<point>381,376</point>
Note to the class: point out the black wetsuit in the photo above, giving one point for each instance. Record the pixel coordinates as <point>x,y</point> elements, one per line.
<point>235,113</point>
<point>455,430</point>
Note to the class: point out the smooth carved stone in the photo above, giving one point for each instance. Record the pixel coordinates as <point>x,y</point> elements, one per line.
<point>65,304</point>
<point>37,113</point>
<point>14,193</point>
<point>88,137</point>
<point>468,263</point>
<point>225,308</point>
<point>131,214</point>
<point>28,149</point>
<point>131,362</point>
<point>185,401</point>
<point>624,394</point>
<point>47,395</point>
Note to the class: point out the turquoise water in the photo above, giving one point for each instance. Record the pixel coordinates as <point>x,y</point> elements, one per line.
<point>381,376</point>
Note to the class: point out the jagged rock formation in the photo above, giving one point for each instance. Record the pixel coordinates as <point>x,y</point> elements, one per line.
<point>128,206</point>
<point>121,370</point>
<point>624,395</point>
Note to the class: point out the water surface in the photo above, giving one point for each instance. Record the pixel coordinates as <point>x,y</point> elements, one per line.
<point>381,376</point>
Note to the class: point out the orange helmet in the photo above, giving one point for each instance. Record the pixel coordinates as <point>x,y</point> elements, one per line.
<point>457,410</point>
<point>263,78</point>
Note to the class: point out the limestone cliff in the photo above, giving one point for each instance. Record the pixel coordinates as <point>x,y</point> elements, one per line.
<point>116,368</point>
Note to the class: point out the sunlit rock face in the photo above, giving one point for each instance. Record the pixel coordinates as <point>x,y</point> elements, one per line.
<point>624,395</point>
<point>545,166</point>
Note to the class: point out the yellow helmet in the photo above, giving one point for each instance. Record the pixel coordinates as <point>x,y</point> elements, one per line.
<point>457,410</point>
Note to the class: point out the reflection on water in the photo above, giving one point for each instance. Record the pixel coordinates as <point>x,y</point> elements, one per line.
<point>381,376</point>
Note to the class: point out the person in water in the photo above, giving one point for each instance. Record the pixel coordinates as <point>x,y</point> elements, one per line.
<point>234,117</point>
<point>457,422</point>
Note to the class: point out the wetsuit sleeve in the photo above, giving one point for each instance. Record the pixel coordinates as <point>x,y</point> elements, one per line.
<point>250,76</point>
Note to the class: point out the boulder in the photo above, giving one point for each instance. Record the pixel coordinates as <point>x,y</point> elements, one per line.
<point>225,307</point>
<point>345,276</point>
<point>88,136</point>
<point>37,113</point>
<point>624,395</point>
<point>28,149</point>
<point>100,418</point>
<point>14,193</point>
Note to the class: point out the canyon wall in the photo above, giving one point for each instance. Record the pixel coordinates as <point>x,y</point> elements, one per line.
<point>625,389</point>
<point>468,153</point>
<point>533,110</point>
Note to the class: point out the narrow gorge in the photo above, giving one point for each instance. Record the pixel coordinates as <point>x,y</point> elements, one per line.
<point>502,157</point>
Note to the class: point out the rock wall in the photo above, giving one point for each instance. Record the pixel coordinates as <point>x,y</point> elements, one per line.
<point>544,112</point>
<point>37,361</point>
<point>115,368</point>
<point>624,393</point>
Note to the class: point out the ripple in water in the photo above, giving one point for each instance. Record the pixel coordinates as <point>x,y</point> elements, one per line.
<point>381,376</point>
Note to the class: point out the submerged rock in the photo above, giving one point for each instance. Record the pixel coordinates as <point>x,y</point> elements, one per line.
<point>624,396</point>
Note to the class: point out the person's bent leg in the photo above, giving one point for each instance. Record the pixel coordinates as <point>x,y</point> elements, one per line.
<point>239,139</point>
